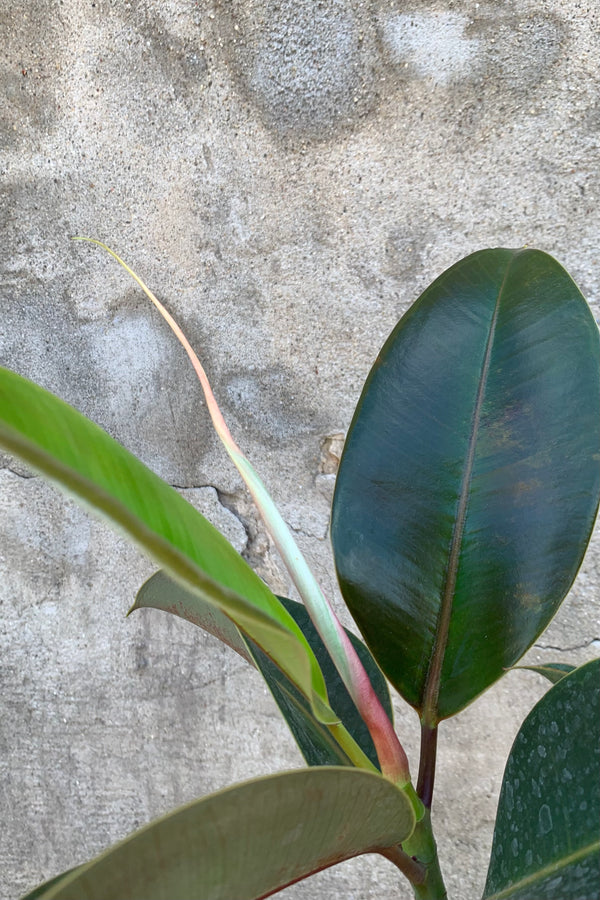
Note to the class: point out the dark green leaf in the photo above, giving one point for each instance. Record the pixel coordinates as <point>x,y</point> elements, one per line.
<point>314,739</point>
<point>66,447</point>
<point>547,837</point>
<point>552,671</point>
<point>249,840</point>
<point>469,482</point>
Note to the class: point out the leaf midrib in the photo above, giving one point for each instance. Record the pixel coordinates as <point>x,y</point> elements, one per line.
<point>83,488</point>
<point>429,711</point>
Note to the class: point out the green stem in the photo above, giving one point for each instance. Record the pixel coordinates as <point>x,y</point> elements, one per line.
<point>351,748</point>
<point>421,848</point>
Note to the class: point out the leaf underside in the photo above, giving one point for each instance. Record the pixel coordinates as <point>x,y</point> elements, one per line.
<point>553,672</point>
<point>163,593</point>
<point>248,841</point>
<point>470,478</point>
<point>547,836</point>
<point>41,891</point>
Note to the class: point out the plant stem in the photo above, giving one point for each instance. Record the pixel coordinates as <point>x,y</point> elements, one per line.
<point>414,871</point>
<point>427,764</point>
<point>351,748</point>
<point>421,848</point>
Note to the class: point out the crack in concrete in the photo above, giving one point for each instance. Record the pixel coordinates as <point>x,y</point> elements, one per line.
<point>190,689</point>
<point>583,646</point>
<point>257,552</point>
<point>25,476</point>
<point>219,678</point>
<point>231,503</point>
<point>193,487</point>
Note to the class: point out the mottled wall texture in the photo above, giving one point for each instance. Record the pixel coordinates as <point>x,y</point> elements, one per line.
<point>288,175</point>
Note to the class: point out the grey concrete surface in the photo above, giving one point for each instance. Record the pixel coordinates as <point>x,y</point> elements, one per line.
<point>287,176</point>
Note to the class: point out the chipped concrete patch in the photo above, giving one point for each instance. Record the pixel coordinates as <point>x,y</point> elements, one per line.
<point>206,500</point>
<point>259,551</point>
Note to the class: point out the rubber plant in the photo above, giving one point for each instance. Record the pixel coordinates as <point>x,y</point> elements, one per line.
<point>465,499</point>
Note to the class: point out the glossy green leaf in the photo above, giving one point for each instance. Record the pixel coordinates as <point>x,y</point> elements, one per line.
<point>552,671</point>
<point>469,482</point>
<point>83,460</point>
<point>547,837</point>
<point>249,840</point>
<point>315,740</point>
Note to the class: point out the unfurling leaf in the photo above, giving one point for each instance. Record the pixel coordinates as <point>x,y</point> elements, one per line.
<point>391,755</point>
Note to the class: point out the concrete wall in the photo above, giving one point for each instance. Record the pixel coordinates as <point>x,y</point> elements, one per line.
<point>288,176</point>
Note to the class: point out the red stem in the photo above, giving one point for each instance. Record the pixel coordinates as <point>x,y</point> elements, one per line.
<point>427,764</point>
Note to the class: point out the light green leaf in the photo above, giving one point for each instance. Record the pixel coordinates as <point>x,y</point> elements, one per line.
<point>250,840</point>
<point>83,460</point>
<point>547,836</point>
